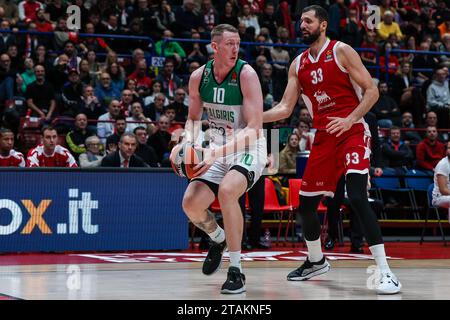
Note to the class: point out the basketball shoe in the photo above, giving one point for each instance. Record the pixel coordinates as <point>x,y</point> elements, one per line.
<point>309,269</point>
<point>213,259</point>
<point>388,284</point>
<point>235,282</point>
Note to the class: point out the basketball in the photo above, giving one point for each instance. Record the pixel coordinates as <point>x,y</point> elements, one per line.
<point>186,159</point>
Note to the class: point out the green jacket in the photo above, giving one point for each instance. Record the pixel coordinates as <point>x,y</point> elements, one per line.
<point>170,49</point>
<point>28,77</point>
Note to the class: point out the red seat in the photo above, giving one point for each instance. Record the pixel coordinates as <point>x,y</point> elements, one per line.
<point>271,204</point>
<point>294,202</point>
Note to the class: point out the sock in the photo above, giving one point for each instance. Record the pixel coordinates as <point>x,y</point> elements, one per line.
<point>314,250</point>
<point>379,255</point>
<point>218,235</point>
<point>235,259</point>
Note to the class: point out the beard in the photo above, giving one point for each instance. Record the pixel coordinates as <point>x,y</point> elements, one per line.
<point>312,37</point>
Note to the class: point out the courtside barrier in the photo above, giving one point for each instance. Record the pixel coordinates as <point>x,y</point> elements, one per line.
<point>58,210</point>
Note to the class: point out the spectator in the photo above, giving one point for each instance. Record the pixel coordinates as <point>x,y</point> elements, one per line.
<point>125,157</point>
<point>90,105</point>
<point>268,20</point>
<point>392,63</point>
<point>248,18</point>
<point>386,109</point>
<point>28,75</point>
<point>423,61</point>
<point>55,9</point>
<point>402,81</point>
<point>143,82</point>
<point>130,84</point>
<point>351,31</point>
<point>388,26</point>
<point>441,190</point>
<point>444,27</point>
<point>429,151</point>
<point>71,52</point>
<point>120,127</point>
<point>72,94</point>
<point>170,112</point>
<point>165,16</point>
<point>411,137</point>
<point>76,138</point>
<point>85,74</point>
<point>431,119</point>
<point>179,106</point>
<point>156,88</point>
<point>136,56</point>
<point>49,153</point>
<point>105,125</point>
<point>41,96</point>
<point>438,98</point>
<point>431,30</point>
<point>117,75</point>
<point>260,49</point>
<point>8,156</point>
<point>143,150</point>
<point>169,79</point>
<point>6,39</point>
<point>172,49</point>
<point>138,119</point>
<point>160,140</point>
<point>196,51</point>
<point>91,157</point>
<point>11,11</point>
<point>306,138</point>
<point>27,10</point>
<point>42,23</point>
<point>266,78</point>
<point>57,75</point>
<point>395,152</point>
<point>105,92</point>
<point>126,101</point>
<point>209,15</point>
<point>288,156</point>
<point>7,78</point>
<point>229,15</point>
<point>156,109</point>
<point>187,21</point>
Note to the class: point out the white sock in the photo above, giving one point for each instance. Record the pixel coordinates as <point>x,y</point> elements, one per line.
<point>235,259</point>
<point>218,235</point>
<point>379,255</point>
<point>314,250</point>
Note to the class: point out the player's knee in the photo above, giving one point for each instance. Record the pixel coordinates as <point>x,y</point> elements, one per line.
<point>358,200</point>
<point>227,194</point>
<point>191,204</point>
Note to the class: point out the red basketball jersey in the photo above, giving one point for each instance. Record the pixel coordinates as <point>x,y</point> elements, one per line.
<point>327,89</point>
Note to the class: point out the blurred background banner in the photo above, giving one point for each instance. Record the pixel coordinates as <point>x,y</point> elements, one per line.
<point>101,210</point>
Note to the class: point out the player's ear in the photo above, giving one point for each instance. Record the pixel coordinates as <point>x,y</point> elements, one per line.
<point>324,25</point>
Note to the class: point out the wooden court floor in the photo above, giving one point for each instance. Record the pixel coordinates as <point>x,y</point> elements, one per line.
<point>424,279</point>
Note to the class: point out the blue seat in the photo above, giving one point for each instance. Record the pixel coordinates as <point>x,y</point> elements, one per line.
<point>389,181</point>
<point>418,180</point>
<point>436,210</point>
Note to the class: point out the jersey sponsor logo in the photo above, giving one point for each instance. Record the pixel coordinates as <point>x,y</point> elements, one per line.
<point>329,56</point>
<point>233,80</point>
<point>206,75</point>
<point>320,184</point>
<point>224,115</point>
<point>321,97</point>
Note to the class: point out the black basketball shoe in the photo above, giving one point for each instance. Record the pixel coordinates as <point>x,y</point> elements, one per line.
<point>309,269</point>
<point>213,259</point>
<point>235,282</point>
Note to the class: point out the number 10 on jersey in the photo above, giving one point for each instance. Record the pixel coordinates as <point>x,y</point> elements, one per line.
<point>219,95</point>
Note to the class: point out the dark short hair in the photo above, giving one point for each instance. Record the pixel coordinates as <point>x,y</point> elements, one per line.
<point>319,12</point>
<point>139,128</point>
<point>128,134</point>
<point>121,117</point>
<point>47,128</point>
<point>5,131</point>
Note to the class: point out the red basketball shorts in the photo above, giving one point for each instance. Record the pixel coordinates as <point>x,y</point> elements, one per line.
<point>332,156</point>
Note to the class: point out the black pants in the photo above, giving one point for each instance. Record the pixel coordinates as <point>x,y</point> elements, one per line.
<point>356,225</point>
<point>256,203</point>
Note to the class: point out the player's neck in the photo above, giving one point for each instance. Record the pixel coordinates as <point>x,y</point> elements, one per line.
<point>4,153</point>
<point>221,70</point>
<point>315,48</point>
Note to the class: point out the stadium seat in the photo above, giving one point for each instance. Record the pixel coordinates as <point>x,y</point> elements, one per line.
<point>272,205</point>
<point>436,210</point>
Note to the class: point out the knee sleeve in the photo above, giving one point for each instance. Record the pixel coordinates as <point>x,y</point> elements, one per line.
<point>357,194</point>
<point>308,218</point>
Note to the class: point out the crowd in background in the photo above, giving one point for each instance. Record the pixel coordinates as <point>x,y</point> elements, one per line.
<point>103,99</point>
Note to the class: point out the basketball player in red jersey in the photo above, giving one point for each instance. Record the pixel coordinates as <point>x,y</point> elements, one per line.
<point>338,91</point>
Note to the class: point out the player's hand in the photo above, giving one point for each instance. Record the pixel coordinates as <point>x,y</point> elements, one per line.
<point>209,157</point>
<point>175,151</point>
<point>338,125</point>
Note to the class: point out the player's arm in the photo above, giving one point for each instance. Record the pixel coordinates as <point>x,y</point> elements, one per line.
<point>252,108</point>
<point>193,123</point>
<point>442,182</point>
<point>351,61</point>
<point>290,97</point>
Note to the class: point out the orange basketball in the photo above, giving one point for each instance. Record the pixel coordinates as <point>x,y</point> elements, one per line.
<point>186,159</point>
